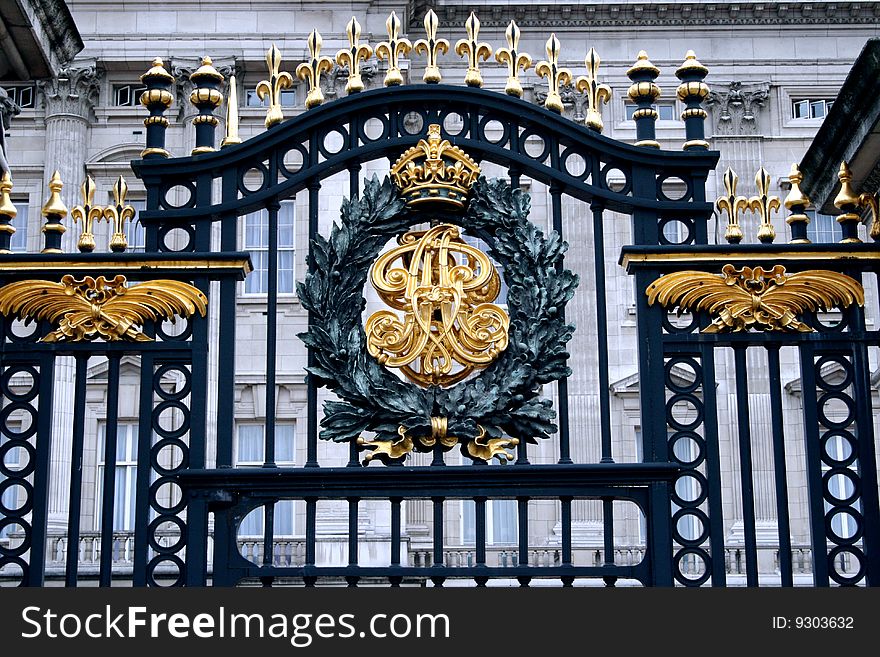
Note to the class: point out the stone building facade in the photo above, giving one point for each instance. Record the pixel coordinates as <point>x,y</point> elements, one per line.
<point>775,69</point>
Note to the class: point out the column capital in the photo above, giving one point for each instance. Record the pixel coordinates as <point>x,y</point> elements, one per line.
<point>74,91</point>
<point>735,107</point>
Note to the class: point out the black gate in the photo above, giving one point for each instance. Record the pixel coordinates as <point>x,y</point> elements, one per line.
<point>194,206</point>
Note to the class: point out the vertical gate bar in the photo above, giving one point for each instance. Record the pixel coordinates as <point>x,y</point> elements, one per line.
<point>565,504</point>
<point>438,532</point>
<point>40,513</point>
<point>74,513</point>
<point>269,539</point>
<point>353,531</point>
<point>354,171</point>
<point>109,481</point>
<point>311,387</point>
<point>602,331</point>
<point>745,465</point>
<point>713,466</point>
<point>145,442</point>
<point>226,328</point>
<point>395,531</point>
<point>779,467</point>
<point>660,535</point>
<point>522,518</point>
<point>608,536</point>
<point>196,512</point>
<point>480,529</point>
<point>813,466</point>
<point>562,383</point>
<point>867,463</point>
<point>311,519</point>
<point>271,333</point>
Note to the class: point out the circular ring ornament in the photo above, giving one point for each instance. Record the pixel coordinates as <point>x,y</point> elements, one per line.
<point>486,413</point>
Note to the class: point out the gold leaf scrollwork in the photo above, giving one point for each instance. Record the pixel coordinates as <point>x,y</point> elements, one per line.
<point>514,59</point>
<point>755,298</point>
<point>556,76</point>
<point>352,56</point>
<point>387,450</point>
<point>473,50</point>
<point>393,50</point>
<point>278,81</point>
<point>432,47</point>
<point>733,206</point>
<point>312,69</point>
<point>444,287</point>
<point>92,308</point>
<point>87,214</point>
<point>487,449</point>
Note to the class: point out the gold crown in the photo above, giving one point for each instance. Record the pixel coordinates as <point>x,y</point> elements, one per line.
<point>435,172</point>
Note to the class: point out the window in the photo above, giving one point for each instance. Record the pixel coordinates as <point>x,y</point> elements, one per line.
<point>256,241</point>
<point>18,243</point>
<point>125,488</point>
<point>501,522</point>
<point>666,111</point>
<point>810,108</point>
<point>134,230</point>
<point>249,452</point>
<point>288,99</point>
<point>127,95</point>
<point>822,227</point>
<point>22,95</point>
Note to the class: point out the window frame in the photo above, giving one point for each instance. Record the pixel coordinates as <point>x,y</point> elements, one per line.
<point>135,89</point>
<point>257,253</point>
<point>465,528</point>
<point>126,430</point>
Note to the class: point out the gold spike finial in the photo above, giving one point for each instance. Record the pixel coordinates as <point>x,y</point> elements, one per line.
<point>596,93</point>
<point>732,205</point>
<point>54,204</point>
<point>473,50</point>
<point>157,70</point>
<point>312,69</point>
<point>514,60</point>
<point>352,56</point>
<point>118,214</point>
<point>393,50</point>
<point>797,202</point>
<point>7,208</point>
<point>764,204</point>
<point>846,198</point>
<point>796,197</point>
<point>87,214</point>
<point>432,47</point>
<point>231,137</point>
<point>272,88</point>
<point>556,76</point>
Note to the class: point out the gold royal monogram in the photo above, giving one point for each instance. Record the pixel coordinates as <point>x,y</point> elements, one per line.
<point>444,287</point>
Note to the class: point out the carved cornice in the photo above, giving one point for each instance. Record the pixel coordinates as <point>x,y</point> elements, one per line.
<point>74,91</point>
<point>735,107</point>
<point>619,14</point>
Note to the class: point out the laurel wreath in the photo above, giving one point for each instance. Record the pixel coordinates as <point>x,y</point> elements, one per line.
<point>503,399</point>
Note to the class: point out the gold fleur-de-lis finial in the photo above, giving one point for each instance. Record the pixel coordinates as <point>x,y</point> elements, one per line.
<point>392,50</point>
<point>556,76</point>
<point>764,204</point>
<point>432,47</point>
<point>231,138</point>
<point>352,56</point>
<point>312,69</point>
<point>473,50</point>
<point>118,214</point>
<point>87,214</point>
<point>272,88</point>
<point>732,205</point>
<point>514,60</point>
<point>596,93</point>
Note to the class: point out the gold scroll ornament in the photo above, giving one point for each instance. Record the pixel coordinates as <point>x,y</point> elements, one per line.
<point>752,297</point>
<point>92,308</point>
<point>444,287</point>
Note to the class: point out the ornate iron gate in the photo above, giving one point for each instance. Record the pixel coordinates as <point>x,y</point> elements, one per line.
<point>194,206</point>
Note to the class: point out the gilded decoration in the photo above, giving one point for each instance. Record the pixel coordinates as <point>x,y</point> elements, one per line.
<point>444,287</point>
<point>435,172</point>
<point>514,59</point>
<point>392,50</point>
<point>432,48</point>
<point>272,87</point>
<point>99,308</point>
<point>755,298</point>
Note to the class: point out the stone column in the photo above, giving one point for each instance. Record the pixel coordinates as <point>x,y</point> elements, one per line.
<point>737,134</point>
<point>69,100</point>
